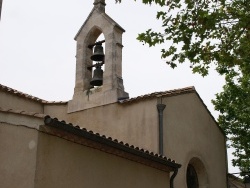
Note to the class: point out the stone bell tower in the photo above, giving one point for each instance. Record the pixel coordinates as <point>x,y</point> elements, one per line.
<point>86,96</point>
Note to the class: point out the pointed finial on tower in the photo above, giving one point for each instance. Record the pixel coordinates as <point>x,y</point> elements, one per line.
<point>100,5</point>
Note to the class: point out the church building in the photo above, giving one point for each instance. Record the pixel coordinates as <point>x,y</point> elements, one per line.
<point>104,138</point>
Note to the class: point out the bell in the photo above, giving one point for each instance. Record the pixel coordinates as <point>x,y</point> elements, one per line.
<point>98,77</point>
<point>98,53</point>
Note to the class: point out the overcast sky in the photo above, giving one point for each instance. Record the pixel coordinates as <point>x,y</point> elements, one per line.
<point>37,50</point>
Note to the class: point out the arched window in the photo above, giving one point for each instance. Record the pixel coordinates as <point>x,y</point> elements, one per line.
<point>192,178</point>
<point>196,174</point>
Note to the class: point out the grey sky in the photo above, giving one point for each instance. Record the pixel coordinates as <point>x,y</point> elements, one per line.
<point>37,50</point>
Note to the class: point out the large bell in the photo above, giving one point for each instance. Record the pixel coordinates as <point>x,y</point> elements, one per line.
<point>97,79</point>
<point>98,53</point>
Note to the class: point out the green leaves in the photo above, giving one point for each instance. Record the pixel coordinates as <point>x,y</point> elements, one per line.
<point>234,105</point>
<point>151,38</point>
<point>206,32</point>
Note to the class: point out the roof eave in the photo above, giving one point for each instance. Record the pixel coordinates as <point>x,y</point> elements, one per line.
<point>155,159</point>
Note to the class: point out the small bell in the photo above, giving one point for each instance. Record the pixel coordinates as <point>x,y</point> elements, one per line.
<point>98,53</point>
<point>97,79</point>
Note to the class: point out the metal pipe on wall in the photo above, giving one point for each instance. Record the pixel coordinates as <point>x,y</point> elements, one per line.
<point>172,178</point>
<point>160,108</point>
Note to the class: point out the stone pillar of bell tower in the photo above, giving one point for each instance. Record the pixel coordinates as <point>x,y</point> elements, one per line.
<point>85,97</point>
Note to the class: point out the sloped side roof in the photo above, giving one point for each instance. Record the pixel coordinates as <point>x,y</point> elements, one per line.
<point>101,142</point>
<point>111,145</point>
<point>107,17</point>
<point>27,96</point>
<point>235,182</point>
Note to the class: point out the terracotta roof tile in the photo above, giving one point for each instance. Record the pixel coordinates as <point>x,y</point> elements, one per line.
<point>160,94</point>
<point>27,96</point>
<point>34,114</point>
<point>111,142</point>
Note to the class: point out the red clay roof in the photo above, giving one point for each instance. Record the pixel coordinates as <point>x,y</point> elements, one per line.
<point>168,93</point>
<point>27,96</point>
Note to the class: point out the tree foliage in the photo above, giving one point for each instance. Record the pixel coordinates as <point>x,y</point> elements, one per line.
<point>208,33</point>
<point>234,107</point>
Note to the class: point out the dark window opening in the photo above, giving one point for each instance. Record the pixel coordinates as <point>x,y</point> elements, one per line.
<point>192,178</point>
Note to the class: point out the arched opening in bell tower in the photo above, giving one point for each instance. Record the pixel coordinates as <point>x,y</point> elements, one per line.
<point>98,62</point>
<point>96,57</point>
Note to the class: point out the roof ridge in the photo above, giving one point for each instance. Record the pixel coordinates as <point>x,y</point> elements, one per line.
<point>157,94</point>
<point>27,96</point>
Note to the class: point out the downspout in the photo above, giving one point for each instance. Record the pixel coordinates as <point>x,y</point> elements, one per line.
<point>160,108</point>
<point>172,178</point>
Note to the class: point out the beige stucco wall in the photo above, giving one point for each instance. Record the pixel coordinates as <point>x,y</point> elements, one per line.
<point>65,164</point>
<point>135,123</point>
<point>189,132</point>
<point>30,158</point>
<point>9,101</point>
<point>18,146</point>
<point>56,110</point>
